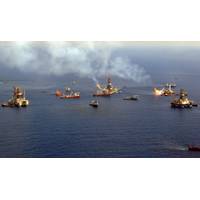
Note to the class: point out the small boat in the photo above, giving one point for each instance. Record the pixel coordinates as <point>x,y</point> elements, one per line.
<point>195,105</point>
<point>133,98</point>
<point>94,103</point>
<point>5,105</point>
<point>193,148</point>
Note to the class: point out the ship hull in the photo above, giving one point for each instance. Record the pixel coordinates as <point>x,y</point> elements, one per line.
<point>70,97</point>
<point>102,95</point>
<point>181,105</point>
<point>94,105</point>
<point>193,148</point>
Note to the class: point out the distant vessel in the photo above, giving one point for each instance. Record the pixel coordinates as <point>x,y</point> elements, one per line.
<point>69,94</point>
<point>193,148</point>
<point>166,91</point>
<point>18,99</point>
<point>94,103</point>
<point>183,101</point>
<point>106,91</point>
<point>133,98</point>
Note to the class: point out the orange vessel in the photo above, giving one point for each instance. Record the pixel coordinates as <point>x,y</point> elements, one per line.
<point>58,93</point>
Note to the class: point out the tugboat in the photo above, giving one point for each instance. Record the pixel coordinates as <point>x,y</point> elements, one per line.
<point>183,101</point>
<point>133,98</point>
<point>18,99</point>
<point>94,103</point>
<point>106,91</point>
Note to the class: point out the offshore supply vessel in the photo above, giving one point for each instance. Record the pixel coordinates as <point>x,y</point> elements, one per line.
<point>183,101</point>
<point>106,91</point>
<point>68,94</point>
<point>18,99</point>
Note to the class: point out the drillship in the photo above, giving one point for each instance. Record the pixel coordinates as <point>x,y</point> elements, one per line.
<point>183,101</point>
<point>166,91</point>
<point>18,99</point>
<point>106,91</point>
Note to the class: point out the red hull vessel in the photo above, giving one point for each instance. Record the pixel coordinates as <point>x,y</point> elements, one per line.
<point>193,148</point>
<point>70,97</point>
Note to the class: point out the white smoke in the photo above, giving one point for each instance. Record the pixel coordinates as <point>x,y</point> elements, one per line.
<point>85,59</point>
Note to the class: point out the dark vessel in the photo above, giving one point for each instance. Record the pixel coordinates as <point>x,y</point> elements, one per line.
<point>94,103</point>
<point>193,148</point>
<point>133,98</point>
<point>183,101</point>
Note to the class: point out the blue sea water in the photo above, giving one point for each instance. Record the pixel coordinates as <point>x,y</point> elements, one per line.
<point>51,127</point>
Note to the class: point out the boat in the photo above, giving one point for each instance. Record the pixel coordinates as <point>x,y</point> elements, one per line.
<point>68,94</point>
<point>193,148</point>
<point>6,105</point>
<point>133,98</point>
<point>94,103</point>
<point>183,101</point>
<point>72,95</point>
<point>107,91</point>
<point>18,99</point>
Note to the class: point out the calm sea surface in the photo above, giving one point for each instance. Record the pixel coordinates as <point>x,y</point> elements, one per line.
<point>51,127</point>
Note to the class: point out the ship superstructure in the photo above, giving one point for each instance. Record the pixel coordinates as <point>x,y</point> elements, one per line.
<point>18,99</point>
<point>106,91</point>
<point>68,94</point>
<point>166,91</point>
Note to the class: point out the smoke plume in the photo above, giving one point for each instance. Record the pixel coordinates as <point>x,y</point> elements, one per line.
<point>85,59</point>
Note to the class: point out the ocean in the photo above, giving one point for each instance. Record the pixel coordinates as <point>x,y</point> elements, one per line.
<point>55,128</point>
